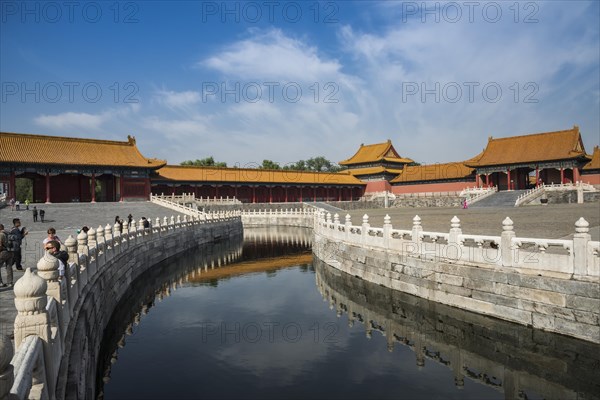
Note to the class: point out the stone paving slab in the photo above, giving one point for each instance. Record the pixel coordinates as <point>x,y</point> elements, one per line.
<point>553,221</point>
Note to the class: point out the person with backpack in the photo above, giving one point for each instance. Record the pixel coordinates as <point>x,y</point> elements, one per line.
<point>35,214</point>
<point>42,213</point>
<point>5,258</point>
<point>15,240</point>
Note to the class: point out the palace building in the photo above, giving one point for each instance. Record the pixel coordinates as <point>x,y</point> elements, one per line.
<point>257,185</point>
<point>375,162</point>
<point>65,169</point>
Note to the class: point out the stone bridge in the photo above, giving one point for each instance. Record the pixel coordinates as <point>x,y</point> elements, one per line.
<point>550,284</point>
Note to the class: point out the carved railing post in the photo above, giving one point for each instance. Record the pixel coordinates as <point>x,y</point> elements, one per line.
<point>32,317</point>
<point>100,248</point>
<point>365,228</point>
<point>348,226</point>
<point>108,242</point>
<point>387,231</point>
<point>83,256</point>
<point>116,243</point>
<point>506,246</point>
<point>455,231</point>
<point>72,275</point>
<point>7,375</point>
<point>580,245</point>
<point>417,230</point>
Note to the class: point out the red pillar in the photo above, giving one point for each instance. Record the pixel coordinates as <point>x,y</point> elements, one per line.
<point>576,174</point>
<point>122,188</point>
<point>340,194</point>
<point>254,194</point>
<point>300,194</point>
<point>286,194</point>
<point>270,194</point>
<point>562,175</point>
<point>147,188</point>
<point>12,186</point>
<point>508,179</point>
<point>315,194</point>
<point>93,188</point>
<point>47,187</point>
<point>537,175</point>
<point>235,188</point>
<point>327,194</point>
<point>487,180</point>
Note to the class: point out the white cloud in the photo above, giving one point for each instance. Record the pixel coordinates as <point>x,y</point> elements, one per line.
<point>71,120</point>
<point>178,99</point>
<point>272,56</point>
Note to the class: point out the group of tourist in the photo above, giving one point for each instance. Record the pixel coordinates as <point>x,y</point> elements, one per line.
<point>120,221</point>
<point>15,205</point>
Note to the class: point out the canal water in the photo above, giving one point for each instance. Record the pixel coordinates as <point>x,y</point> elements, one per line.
<point>260,318</point>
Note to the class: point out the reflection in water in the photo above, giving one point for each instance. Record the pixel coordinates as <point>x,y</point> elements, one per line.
<point>262,249</point>
<point>514,359</point>
<point>248,321</point>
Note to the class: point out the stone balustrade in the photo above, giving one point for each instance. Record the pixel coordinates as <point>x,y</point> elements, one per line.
<point>475,194</point>
<point>538,191</point>
<point>551,284</point>
<point>61,319</point>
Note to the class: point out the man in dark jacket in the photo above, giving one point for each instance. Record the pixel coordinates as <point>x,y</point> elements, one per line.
<point>5,258</point>
<point>15,240</point>
<point>53,247</point>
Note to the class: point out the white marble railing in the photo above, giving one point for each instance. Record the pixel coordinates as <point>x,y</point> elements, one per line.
<point>539,190</point>
<point>175,206</point>
<point>579,258</point>
<point>191,198</point>
<point>46,301</point>
<point>475,194</point>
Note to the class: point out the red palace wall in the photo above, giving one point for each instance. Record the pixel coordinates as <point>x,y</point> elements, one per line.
<point>433,187</point>
<point>592,179</point>
<point>378,186</point>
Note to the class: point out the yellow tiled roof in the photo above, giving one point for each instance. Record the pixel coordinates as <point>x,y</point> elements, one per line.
<point>376,153</point>
<point>595,159</point>
<point>433,172</point>
<point>39,149</point>
<point>250,175</point>
<point>559,145</point>
<point>373,171</point>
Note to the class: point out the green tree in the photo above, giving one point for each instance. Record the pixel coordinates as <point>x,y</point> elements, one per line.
<point>205,162</point>
<point>414,164</point>
<point>268,164</point>
<point>24,189</point>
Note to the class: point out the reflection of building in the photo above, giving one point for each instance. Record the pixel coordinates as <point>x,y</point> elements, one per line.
<point>510,358</point>
<point>65,169</point>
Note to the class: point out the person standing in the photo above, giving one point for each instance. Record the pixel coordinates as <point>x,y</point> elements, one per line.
<point>53,248</point>
<point>35,214</point>
<point>27,204</point>
<point>42,214</point>
<point>5,258</point>
<point>15,240</point>
<point>52,236</point>
<point>18,205</point>
<point>129,220</point>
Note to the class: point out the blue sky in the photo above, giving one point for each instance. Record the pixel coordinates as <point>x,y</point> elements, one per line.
<point>247,81</point>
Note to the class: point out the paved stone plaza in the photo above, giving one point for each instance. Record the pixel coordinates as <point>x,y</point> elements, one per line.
<point>552,221</point>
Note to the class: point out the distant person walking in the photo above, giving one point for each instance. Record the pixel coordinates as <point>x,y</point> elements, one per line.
<point>35,214</point>
<point>5,259</point>
<point>42,214</point>
<point>129,220</point>
<point>27,204</point>
<point>12,204</point>
<point>18,205</point>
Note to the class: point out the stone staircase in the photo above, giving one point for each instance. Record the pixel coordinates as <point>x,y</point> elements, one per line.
<point>500,199</point>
